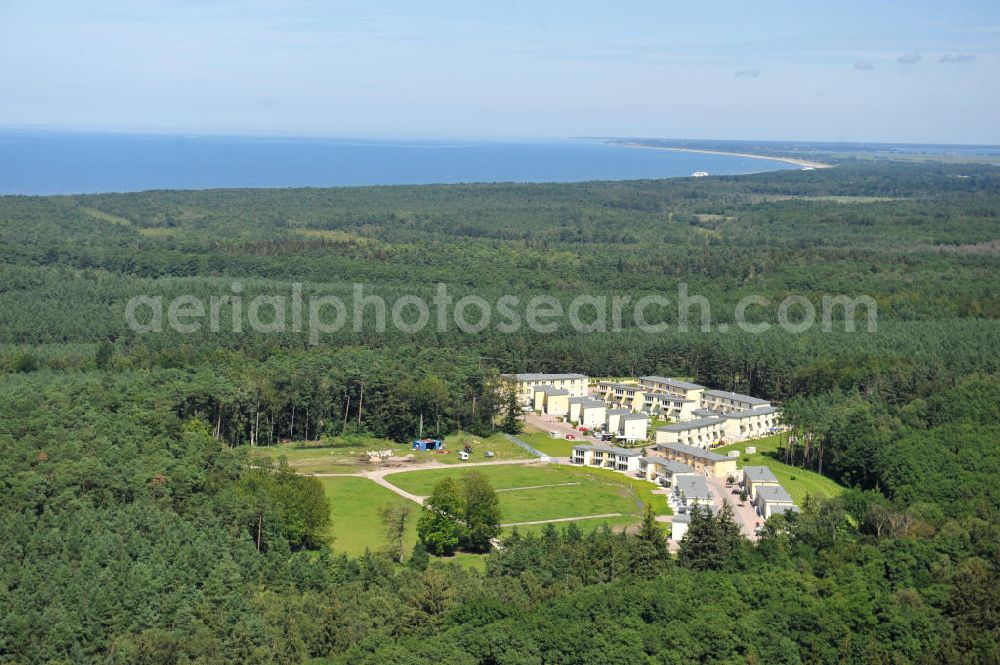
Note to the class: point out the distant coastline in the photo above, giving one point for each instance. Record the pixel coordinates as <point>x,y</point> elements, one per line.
<point>804,163</point>
<point>54,163</point>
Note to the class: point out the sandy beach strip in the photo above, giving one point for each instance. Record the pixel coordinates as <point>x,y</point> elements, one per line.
<point>804,163</point>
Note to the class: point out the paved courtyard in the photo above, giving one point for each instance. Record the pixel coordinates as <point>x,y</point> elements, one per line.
<point>745,516</point>
<point>548,423</point>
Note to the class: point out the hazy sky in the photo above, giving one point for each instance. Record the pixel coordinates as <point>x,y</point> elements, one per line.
<point>839,70</point>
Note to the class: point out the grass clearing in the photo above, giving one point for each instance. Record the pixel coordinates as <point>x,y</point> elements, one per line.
<point>584,525</point>
<point>349,454</point>
<point>592,498</point>
<point>544,443</point>
<point>357,525</point>
<point>158,231</point>
<point>501,476</point>
<point>763,198</point>
<point>306,457</point>
<point>799,482</point>
<point>548,492</point>
<point>354,513</point>
<point>463,559</point>
<point>535,487</point>
<point>106,217</point>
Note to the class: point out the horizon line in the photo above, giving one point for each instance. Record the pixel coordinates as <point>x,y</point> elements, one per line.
<point>172,132</point>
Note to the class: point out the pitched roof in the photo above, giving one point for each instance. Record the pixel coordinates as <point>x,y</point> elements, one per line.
<point>673,383</point>
<point>536,376</point>
<point>737,397</point>
<point>664,397</point>
<point>748,413</point>
<point>774,494</point>
<point>670,465</point>
<point>693,487</point>
<point>635,416</point>
<point>551,390</point>
<point>627,452</point>
<point>689,425</point>
<point>759,474</point>
<point>593,404</point>
<point>693,451</point>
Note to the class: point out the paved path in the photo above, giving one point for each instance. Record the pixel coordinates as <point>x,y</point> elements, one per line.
<point>526,446</point>
<point>564,519</point>
<point>533,487</point>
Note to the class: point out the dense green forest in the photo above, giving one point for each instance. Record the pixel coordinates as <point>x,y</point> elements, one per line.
<point>134,529</point>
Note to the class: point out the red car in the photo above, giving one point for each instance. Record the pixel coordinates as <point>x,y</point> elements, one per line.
<point>571,437</point>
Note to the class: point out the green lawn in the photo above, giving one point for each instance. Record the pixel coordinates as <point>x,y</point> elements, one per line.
<point>590,497</point>
<point>501,476</point>
<point>464,559</point>
<point>354,513</point>
<point>356,525</point>
<point>799,482</point>
<point>643,489</point>
<point>560,447</point>
<point>585,526</point>
<point>544,492</point>
<point>656,422</point>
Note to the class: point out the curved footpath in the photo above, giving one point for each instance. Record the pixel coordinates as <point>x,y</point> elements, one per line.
<point>378,475</point>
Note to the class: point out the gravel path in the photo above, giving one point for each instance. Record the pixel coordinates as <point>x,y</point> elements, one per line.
<point>564,519</point>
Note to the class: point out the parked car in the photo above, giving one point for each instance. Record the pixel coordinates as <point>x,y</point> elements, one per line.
<point>571,437</point>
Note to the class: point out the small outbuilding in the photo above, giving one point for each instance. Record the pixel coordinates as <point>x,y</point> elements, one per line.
<point>679,526</point>
<point>428,444</point>
<point>773,499</point>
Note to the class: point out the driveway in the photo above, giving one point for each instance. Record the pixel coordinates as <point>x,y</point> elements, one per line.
<point>745,516</point>
<point>546,423</point>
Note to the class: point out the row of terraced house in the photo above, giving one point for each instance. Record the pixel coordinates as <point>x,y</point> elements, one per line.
<point>699,416</point>
<point>567,396</point>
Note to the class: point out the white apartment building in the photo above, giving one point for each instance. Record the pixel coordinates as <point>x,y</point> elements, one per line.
<point>669,406</point>
<point>741,425</point>
<point>668,386</point>
<point>722,401</point>
<point>700,433</point>
<point>524,384</point>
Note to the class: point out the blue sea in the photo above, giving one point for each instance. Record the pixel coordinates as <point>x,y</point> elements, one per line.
<point>76,163</point>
